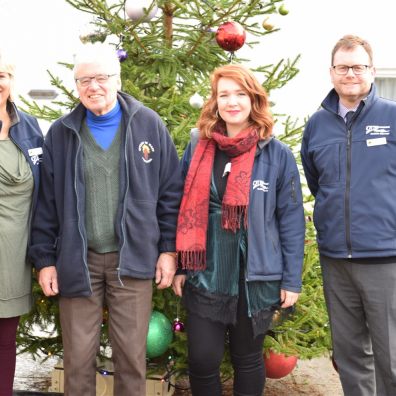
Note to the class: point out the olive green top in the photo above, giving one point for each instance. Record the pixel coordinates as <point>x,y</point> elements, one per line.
<point>16,189</point>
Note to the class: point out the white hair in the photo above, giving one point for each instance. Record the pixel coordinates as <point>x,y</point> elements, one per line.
<point>103,54</point>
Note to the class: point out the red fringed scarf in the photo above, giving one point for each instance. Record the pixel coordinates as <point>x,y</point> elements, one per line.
<point>194,210</point>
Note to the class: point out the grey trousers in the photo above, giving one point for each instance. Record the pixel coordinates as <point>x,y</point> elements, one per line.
<point>81,318</point>
<point>361,302</point>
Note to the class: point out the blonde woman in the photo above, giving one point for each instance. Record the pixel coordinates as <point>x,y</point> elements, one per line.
<point>20,153</point>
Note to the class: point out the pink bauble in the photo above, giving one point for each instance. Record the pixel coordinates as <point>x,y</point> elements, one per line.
<point>177,325</point>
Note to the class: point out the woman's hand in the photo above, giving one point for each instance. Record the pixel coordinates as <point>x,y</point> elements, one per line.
<point>178,283</point>
<point>288,298</point>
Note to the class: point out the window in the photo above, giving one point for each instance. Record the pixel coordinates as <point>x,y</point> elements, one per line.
<point>385,81</point>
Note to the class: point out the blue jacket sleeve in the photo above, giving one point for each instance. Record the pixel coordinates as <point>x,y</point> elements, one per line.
<point>185,162</point>
<point>290,216</point>
<point>170,191</point>
<point>42,250</point>
<point>310,172</point>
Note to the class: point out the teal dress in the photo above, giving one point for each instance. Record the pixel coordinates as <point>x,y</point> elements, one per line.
<point>214,292</point>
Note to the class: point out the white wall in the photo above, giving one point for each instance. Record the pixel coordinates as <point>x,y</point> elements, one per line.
<point>311,29</point>
<point>40,33</point>
<point>43,32</point>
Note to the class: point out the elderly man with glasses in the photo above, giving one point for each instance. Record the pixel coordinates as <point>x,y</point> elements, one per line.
<point>349,158</point>
<point>105,223</point>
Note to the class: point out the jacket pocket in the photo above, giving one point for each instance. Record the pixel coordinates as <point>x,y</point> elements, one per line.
<point>142,231</point>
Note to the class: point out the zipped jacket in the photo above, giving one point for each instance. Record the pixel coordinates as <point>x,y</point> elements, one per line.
<point>150,191</point>
<point>26,134</point>
<point>351,171</point>
<point>276,225</point>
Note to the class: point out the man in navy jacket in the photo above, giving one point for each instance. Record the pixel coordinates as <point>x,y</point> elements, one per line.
<point>105,223</point>
<point>349,158</point>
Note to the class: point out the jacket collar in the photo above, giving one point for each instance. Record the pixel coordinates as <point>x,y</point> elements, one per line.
<point>330,102</point>
<point>74,119</point>
<point>262,143</point>
<point>13,113</point>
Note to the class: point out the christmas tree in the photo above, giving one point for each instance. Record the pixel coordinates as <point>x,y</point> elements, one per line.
<point>168,50</point>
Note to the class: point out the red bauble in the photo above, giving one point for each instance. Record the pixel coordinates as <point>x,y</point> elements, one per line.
<point>277,365</point>
<point>230,36</point>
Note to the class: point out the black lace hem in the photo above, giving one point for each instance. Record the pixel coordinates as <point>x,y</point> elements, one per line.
<point>216,307</point>
<point>261,321</point>
<point>222,308</point>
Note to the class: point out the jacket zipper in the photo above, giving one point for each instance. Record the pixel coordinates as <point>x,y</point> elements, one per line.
<point>247,292</point>
<point>293,190</point>
<point>348,194</point>
<point>245,271</point>
<point>85,253</point>
<point>124,206</point>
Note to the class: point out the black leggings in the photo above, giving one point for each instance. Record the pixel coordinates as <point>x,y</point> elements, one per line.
<point>206,348</point>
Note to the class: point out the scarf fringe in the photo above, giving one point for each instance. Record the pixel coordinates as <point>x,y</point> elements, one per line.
<point>192,260</point>
<point>231,217</point>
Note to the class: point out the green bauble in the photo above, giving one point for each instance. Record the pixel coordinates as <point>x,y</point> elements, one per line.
<point>159,335</point>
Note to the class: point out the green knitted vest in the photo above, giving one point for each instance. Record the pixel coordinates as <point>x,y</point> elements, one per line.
<point>102,180</point>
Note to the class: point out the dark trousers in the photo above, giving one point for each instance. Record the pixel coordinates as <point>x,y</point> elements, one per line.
<point>361,301</point>
<point>8,328</point>
<point>206,340</point>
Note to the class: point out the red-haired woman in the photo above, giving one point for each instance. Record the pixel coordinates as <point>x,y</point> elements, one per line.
<point>240,236</point>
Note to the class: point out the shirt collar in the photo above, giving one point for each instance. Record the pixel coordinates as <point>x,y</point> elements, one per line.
<point>342,110</point>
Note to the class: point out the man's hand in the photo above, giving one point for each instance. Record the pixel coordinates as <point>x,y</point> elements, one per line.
<point>48,280</point>
<point>166,269</point>
<point>178,283</point>
<point>288,298</point>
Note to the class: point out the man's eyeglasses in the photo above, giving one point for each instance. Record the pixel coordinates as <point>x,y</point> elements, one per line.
<point>342,70</point>
<point>99,78</point>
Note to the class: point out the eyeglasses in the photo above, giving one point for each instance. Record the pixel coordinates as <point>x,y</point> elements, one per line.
<point>342,70</point>
<point>99,78</point>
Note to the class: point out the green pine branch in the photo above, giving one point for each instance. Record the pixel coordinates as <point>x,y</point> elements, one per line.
<point>169,59</point>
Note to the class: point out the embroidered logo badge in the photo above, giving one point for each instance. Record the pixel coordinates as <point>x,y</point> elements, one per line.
<point>260,185</point>
<point>35,155</point>
<point>146,149</point>
<point>377,130</point>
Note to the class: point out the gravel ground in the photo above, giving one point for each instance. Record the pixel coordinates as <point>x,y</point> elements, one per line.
<point>315,377</point>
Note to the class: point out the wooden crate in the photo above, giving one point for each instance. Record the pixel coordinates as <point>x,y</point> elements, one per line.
<point>155,386</point>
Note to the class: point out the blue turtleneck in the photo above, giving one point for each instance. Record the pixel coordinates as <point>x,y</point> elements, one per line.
<point>104,127</point>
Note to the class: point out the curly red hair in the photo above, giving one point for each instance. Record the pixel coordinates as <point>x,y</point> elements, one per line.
<point>260,115</point>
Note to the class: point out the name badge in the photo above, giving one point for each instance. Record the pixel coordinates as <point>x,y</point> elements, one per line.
<point>35,151</point>
<point>376,142</point>
<point>227,168</point>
